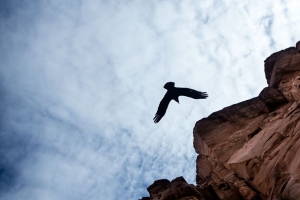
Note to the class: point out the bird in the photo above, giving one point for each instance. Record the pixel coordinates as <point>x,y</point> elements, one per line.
<point>172,94</point>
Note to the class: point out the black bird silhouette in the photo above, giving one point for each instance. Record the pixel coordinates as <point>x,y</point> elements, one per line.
<point>172,94</point>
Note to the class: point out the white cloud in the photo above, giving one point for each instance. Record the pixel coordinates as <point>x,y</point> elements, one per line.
<point>81,82</point>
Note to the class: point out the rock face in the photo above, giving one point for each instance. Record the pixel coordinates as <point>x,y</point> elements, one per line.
<point>176,189</point>
<point>250,150</point>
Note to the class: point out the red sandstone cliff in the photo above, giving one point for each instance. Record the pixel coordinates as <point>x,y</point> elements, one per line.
<point>250,150</point>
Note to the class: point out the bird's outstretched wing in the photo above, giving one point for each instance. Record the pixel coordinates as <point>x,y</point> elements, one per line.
<point>162,108</point>
<point>192,93</point>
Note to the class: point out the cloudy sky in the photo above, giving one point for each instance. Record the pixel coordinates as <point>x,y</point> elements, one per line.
<point>81,80</point>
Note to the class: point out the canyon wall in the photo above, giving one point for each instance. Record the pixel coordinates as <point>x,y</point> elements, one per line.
<point>249,150</point>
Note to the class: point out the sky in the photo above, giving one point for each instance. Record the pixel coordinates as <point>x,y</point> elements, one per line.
<point>80,83</point>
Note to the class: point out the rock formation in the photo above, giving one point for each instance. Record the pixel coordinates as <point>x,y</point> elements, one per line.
<point>250,150</point>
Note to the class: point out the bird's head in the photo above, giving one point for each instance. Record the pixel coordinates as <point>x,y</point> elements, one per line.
<point>298,46</point>
<point>169,85</point>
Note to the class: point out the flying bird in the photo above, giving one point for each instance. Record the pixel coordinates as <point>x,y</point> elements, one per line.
<point>172,94</point>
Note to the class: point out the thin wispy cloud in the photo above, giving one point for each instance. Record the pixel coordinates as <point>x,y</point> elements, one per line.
<point>80,82</point>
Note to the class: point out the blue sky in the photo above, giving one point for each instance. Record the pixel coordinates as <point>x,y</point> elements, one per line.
<point>82,80</point>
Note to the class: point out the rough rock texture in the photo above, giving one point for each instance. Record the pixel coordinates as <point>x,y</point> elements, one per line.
<point>254,146</point>
<point>250,150</point>
<point>176,189</point>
